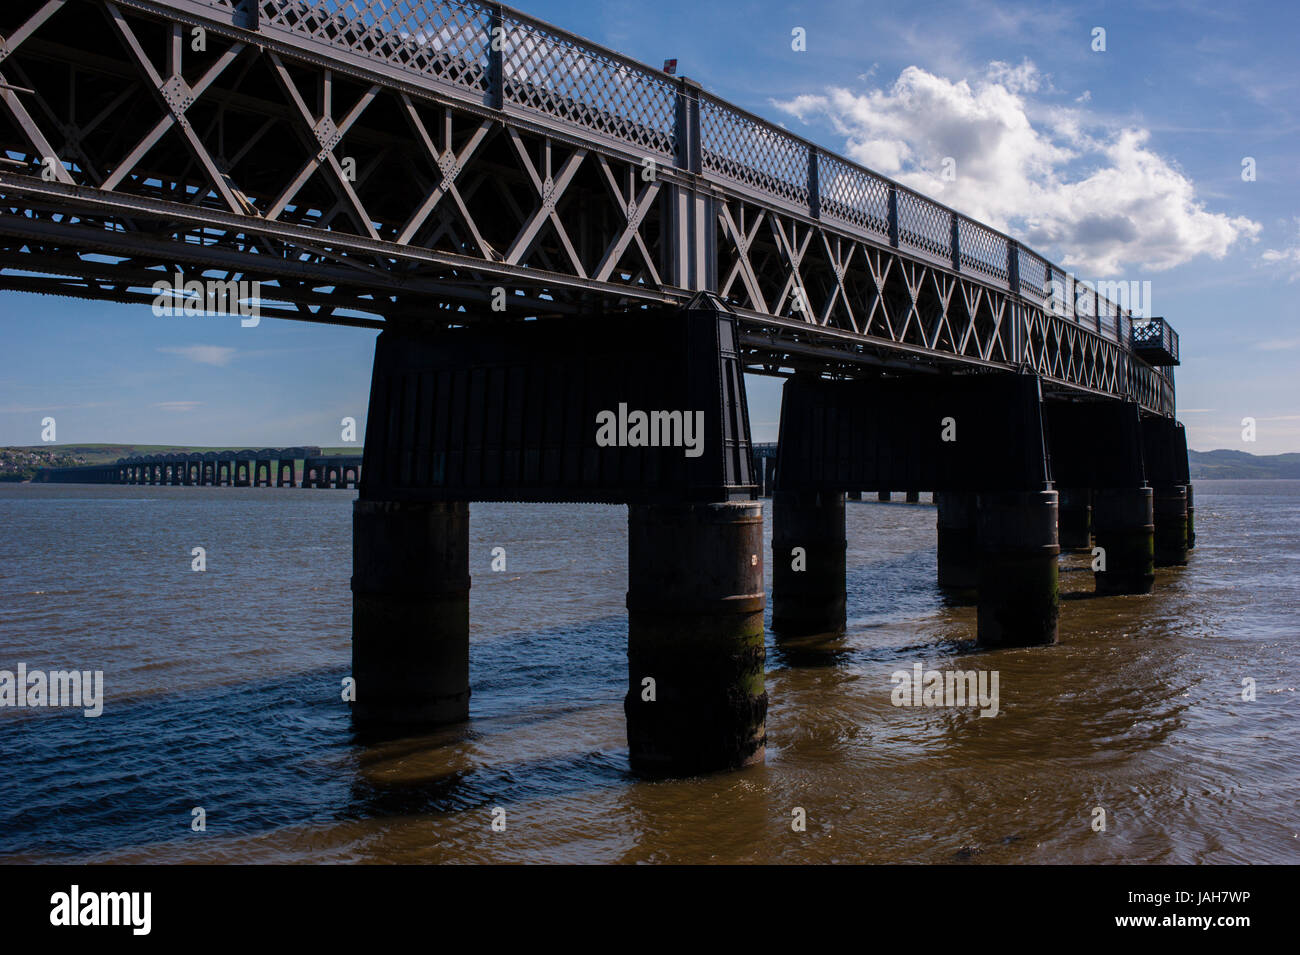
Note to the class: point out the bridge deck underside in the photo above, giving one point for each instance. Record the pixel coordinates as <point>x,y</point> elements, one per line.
<point>360,195</point>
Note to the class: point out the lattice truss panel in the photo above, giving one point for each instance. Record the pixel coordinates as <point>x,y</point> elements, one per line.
<point>371,160</point>
<point>343,194</point>
<point>819,279</point>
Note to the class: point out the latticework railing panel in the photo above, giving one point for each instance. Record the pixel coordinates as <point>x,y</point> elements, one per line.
<point>853,195</point>
<point>752,153</point>
<point>924,226</point>
<point>547,72</point>
<point>982,249</point>
<point>1033,276</point>
<point>440,39</point>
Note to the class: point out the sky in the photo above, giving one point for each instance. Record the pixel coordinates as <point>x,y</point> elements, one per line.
<point>1171,157</point>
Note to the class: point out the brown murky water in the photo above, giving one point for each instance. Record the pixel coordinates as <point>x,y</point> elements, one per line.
<point>223,692</point>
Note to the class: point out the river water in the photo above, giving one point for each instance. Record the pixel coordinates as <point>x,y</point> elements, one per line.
<point>222,691</point>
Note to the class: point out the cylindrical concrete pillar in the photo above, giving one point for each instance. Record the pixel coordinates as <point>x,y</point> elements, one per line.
<point>884,496</point>
<point>1019,593</point>
<point>410,613</point>
<point>958,556</point>
<point>1169,514</point>
<point>913,497</point>
<point>1191,520</point>
<point>1123,524</point>
<point>696,700</point>
<point>1075,528</point>
<point>808,562</point>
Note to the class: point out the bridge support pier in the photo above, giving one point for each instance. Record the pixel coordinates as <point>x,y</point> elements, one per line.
<point>410,613</point>
<point>854,495</point>
<point>884,497</point>
<point>1076,518</point>
<point>696,700</point>
<point>808,562</point>
<point>1019,596</point>
<point>1191,519</point>
<point>1169,514</point>
<point>958,555</point>
<point>1125,532</point>
<point>286,474</point>
<point>1164,449</point>
<point>913,497</point>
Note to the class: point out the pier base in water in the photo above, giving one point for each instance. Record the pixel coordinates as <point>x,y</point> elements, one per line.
<point>1075,527</point>
<point>884,497</point>
<point>1191,520</point>
<point>410,613</point>
<point>1019,596</point>
<point>1123,523</point>
<point>696,701</point>
<point>958,557</point>
<point>808,562</point>
<point>1169,513</point>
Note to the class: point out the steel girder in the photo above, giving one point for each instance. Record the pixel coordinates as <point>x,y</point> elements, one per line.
<point>387,163</point>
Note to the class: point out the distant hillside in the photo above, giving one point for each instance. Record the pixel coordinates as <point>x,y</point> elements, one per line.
<point>1209,465</point>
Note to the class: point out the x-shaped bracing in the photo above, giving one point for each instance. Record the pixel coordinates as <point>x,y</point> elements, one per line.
<point>176,96</point>
<point>325,134</point>
<point>549,191</point>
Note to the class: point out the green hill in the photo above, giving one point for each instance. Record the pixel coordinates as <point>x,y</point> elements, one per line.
<point>1208,465</point>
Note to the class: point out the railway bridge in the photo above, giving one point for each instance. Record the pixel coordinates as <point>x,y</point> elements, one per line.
<point>574,258</point>
<point>266,467</point>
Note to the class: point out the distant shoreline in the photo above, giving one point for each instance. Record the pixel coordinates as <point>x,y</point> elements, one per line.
<point>19,463</point>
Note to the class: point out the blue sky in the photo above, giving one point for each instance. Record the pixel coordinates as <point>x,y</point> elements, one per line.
<point>1123,164</point>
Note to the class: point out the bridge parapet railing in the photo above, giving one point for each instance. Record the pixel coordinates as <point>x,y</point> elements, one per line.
<point>854,196</point>
<point>1035,277</point>
<point>924,226</point>
<point>745,149</point>
<point>983,250</point>
<point>442,40</point>
<point>547,71</point>
<point>551,72</point>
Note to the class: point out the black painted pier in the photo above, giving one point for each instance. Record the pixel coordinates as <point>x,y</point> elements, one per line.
<point>465,414</point>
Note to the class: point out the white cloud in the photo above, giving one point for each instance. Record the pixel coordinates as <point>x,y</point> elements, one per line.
<point>178,405</point>
<point>1053,176</point>
<point>218,355</point>
<point>1287,259</point>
